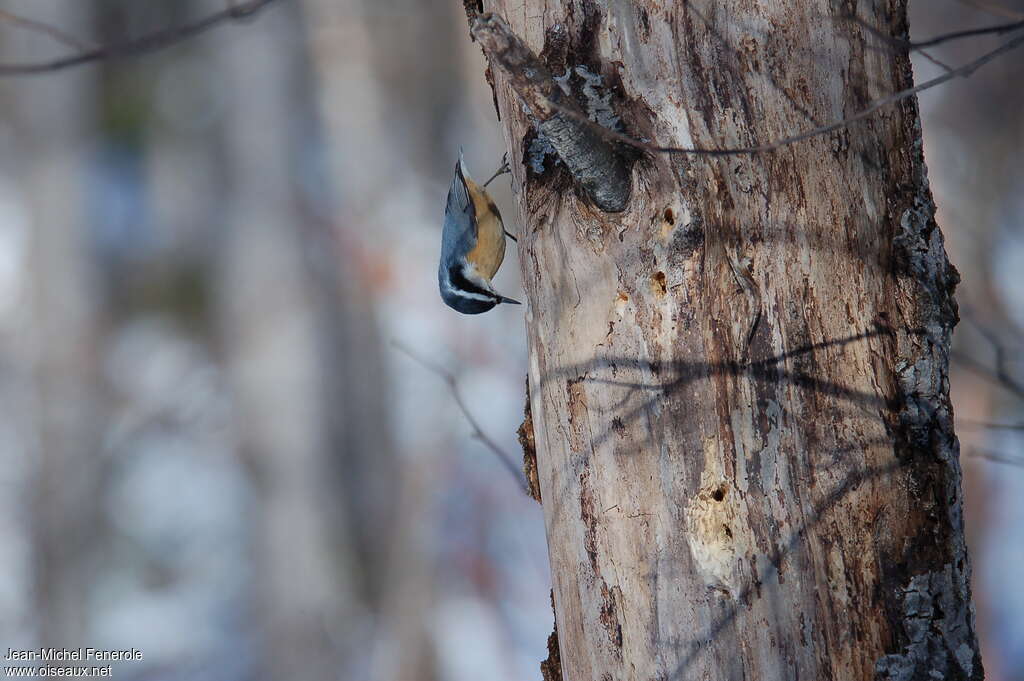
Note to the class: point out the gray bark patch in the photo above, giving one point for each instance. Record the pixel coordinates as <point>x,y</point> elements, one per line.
<point>935,618</point>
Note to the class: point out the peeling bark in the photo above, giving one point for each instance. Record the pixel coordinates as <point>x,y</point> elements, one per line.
<point>598,165</point>
<point>739,383</point>
<point>551,667</point>
<point>529,446</point>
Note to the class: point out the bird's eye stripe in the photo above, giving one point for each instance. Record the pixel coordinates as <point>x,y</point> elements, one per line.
<point>475,296</point>
<point>463,285</point>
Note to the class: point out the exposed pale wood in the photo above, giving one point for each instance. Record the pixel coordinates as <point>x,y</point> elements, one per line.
<point>739,384</point>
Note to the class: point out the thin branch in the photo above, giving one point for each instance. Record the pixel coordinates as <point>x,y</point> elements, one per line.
<point>993,8</point>
<point>1001,29</point>
<point>941,64</point>
<point>962,72</point>
<point>57,34</point>
<point>894,42</point>
<point>997,376</point>
<point>917,45</point>
<point>504,168</point>
<point>1000,374</point>
<point>151,42</point>
<point>478,432</point>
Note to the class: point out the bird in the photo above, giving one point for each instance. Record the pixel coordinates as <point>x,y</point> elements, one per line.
<point>472,245</point>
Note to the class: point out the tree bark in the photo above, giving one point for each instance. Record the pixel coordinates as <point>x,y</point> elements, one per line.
<point>739,382</point>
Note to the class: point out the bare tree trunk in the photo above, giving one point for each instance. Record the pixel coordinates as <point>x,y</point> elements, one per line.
<point>52,117</point>
<point>291,347</point>
<point>401,103</point>
<point>739,383</point>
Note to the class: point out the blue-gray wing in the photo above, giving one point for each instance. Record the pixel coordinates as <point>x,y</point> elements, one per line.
<point>460,228</point>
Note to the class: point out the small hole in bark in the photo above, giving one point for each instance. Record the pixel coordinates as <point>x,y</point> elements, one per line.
<point>670,217</point>
<point>718,494</point>
<point>728,532</point>
<point>618,426</point>
<point>659,284</point>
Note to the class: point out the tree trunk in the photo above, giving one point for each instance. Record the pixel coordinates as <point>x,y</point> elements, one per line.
<point>291,351</point>
<point>58,337</point>
<point>739,382</point>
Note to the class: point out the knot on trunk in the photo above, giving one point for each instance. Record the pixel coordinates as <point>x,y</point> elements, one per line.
<point>594,160</point>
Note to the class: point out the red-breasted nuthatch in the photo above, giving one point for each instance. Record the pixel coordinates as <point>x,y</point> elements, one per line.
<point>472,247</point>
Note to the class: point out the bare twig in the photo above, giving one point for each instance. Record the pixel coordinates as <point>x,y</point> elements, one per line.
<point>917,45</point>
<point>961,72</point>
<point>993,8</point>
<point>999,374</point>
<point>39,27</point>
<point>152,42</point>
<point>478,433</point>
<point>893,42</point>
<point>1001,29</point>
<point>501,170</point>
<point>941,64</point>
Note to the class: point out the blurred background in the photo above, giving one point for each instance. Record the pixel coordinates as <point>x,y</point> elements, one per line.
<point>211,448</point>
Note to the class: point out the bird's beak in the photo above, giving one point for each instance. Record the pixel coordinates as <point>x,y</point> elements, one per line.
<point>513,301</point>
